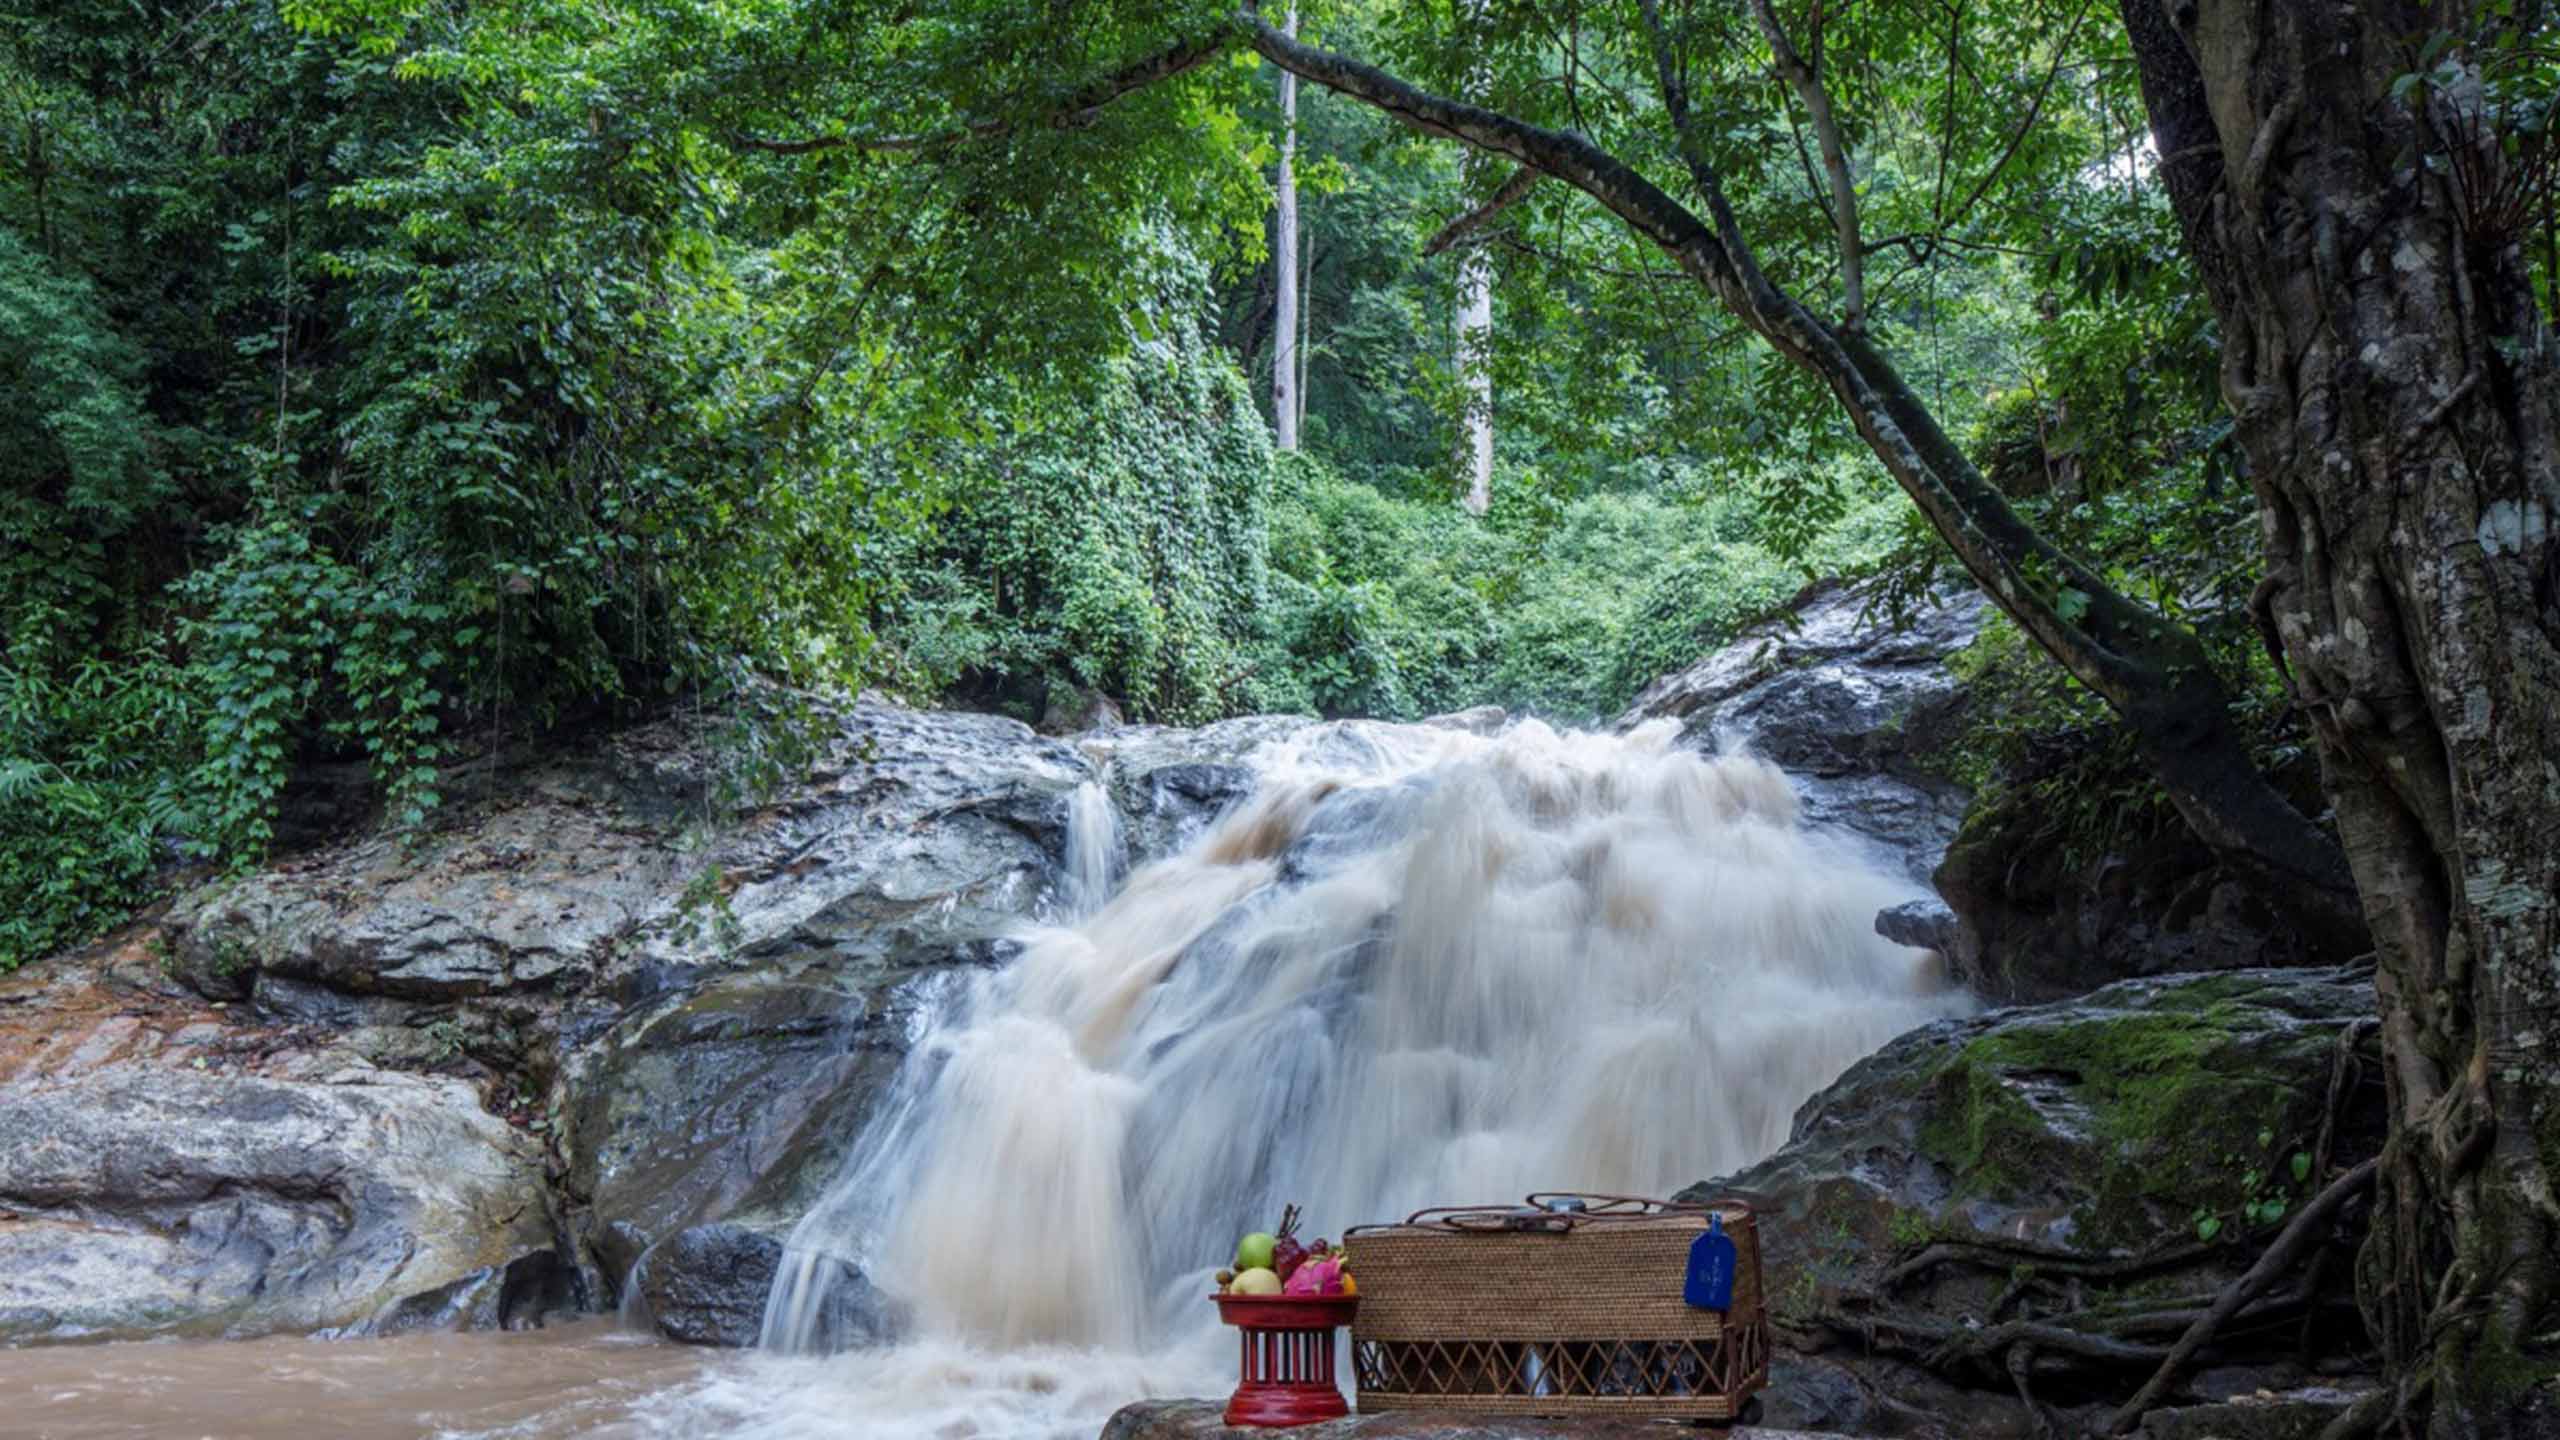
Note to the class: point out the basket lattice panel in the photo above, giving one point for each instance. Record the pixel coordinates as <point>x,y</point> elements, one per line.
<point>1699,1379</point>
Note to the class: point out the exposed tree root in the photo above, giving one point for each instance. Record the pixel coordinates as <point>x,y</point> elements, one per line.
<point>2103,1346</point>
<point>2022,1363</point>
<point>2309,1225</point>
<point>2008,1255</point>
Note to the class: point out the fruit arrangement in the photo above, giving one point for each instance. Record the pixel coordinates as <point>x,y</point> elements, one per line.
<point>1274,1263</point>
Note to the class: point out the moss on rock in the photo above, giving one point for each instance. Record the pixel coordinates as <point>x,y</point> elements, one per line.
<point>2190,1098</point>
<point>2114,1122</point>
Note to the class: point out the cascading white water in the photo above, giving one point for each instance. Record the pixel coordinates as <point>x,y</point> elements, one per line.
<point>1093,853</point>
<point>1418,966</point>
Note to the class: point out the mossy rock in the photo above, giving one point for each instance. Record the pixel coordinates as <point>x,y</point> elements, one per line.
<point>2143,1113</point>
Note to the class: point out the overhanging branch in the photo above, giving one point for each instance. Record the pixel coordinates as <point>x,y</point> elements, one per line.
<point>1568,157</point>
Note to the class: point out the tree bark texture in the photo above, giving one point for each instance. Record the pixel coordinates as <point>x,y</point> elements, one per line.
<point>2397,394</point>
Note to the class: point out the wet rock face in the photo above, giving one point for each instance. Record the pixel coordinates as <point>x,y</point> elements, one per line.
<point>1849,705</point>
<point>2036,924</point>
<point>707,1286</point>
<point>163,1171</point>
<point>737,1099</point>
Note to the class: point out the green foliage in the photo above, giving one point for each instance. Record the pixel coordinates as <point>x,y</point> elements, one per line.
<point>87,788</point>
<point>361,405</point>
<point>1563,608</point>
<point>1111,537</point>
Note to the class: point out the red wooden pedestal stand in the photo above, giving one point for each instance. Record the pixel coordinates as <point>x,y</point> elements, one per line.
<point>1287,1357</point>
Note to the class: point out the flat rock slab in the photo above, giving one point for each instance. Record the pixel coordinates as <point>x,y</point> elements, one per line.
<point>1204,1419</point>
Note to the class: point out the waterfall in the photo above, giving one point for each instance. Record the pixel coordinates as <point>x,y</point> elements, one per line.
<point>1093,855</point>
<point>1416,966</point>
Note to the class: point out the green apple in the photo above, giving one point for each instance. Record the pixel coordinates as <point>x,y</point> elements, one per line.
<point>1253,1252</point>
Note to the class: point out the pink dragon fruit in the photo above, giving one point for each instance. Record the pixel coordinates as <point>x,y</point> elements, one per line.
<point>1315,1277</point>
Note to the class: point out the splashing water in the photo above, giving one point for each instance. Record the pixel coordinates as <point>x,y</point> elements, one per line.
<point>1417,967</point>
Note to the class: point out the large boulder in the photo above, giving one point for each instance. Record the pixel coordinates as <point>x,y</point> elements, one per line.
<point>2175,1117</point>
<point>733,1101</point>
<point>604,864</point>
<point>1853,707</point>
<point>2104,1124</point>
<point>164,1170</point>
<point>691,1006</point>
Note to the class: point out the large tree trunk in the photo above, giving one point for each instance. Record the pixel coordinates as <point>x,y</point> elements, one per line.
<point>2398,397</point>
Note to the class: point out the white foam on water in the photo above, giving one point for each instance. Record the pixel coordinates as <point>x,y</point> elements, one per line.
<point>929,1389</point>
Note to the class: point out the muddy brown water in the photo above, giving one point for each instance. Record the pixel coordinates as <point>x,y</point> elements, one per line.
<point>586,1379</point>
<point>590,1380</point>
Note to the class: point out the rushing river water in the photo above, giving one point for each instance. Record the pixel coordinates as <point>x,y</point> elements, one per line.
<point>1417,966</point>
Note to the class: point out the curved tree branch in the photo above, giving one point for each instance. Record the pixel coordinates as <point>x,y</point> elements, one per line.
<point>2154,673</point>
<point>1511,192</point>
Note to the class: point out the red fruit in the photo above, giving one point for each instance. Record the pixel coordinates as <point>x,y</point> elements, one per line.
<point>1287,1254</point>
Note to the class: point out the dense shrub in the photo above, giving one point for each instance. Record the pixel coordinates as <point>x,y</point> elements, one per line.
<point>1404,608</point>
<point>1113,537</point>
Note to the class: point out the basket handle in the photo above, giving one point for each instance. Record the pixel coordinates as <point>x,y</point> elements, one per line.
<point>1535,1218</point>
<point>1476,1220</point>
<point>1636,1207</point>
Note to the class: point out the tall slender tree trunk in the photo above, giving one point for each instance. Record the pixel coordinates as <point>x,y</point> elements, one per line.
<point>2398,396</point>
<point>1306,323</point>
<point>1475,337</point>
<point>1284,264</point>
<point>1475,327</point>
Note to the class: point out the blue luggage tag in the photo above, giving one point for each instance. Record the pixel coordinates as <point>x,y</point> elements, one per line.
<point>1711,1261</point>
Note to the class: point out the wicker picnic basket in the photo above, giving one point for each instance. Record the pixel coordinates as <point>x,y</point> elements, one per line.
<point>1509,1310</point>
